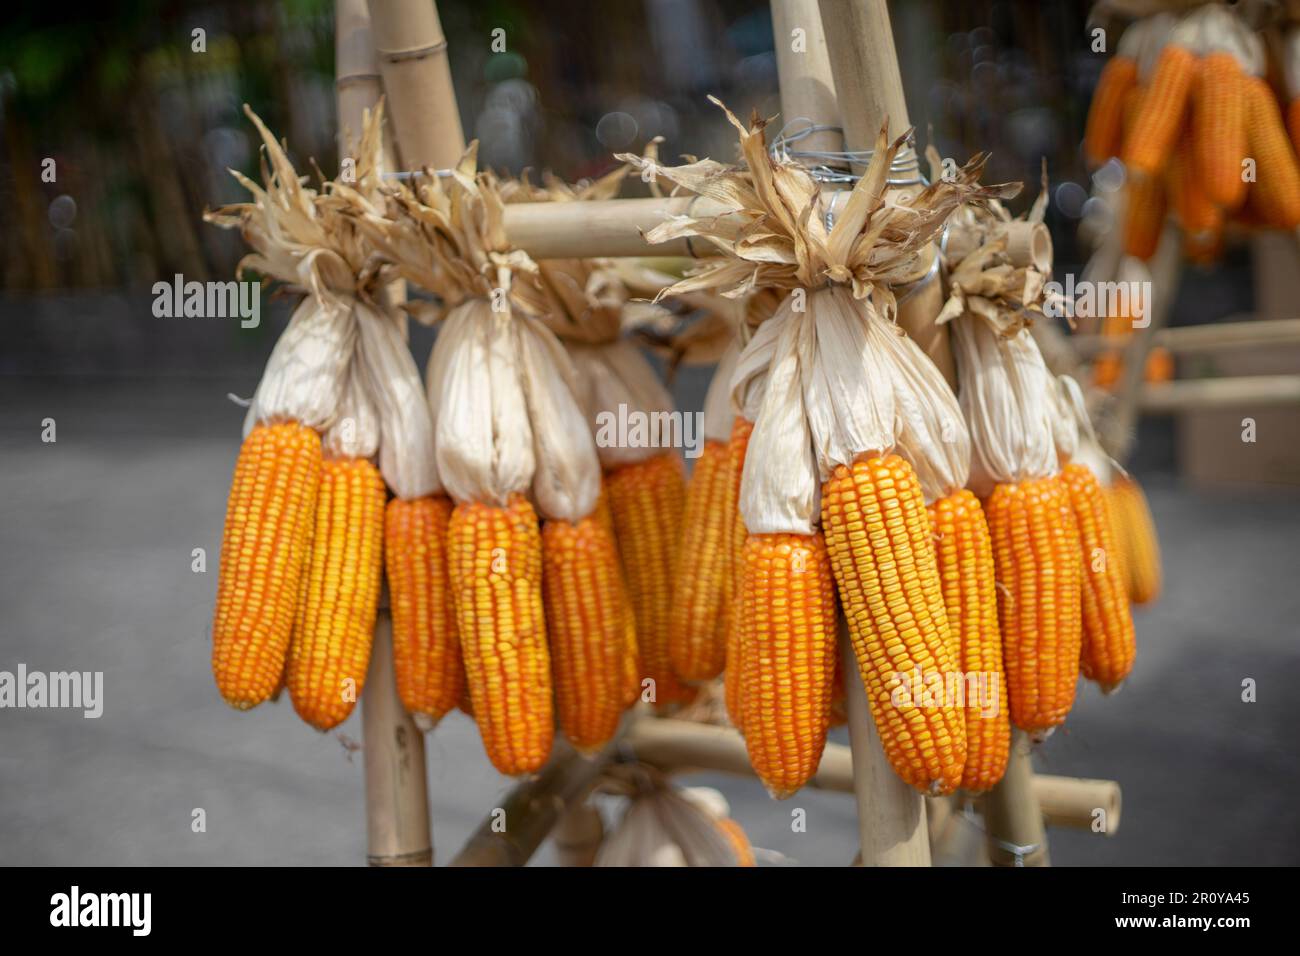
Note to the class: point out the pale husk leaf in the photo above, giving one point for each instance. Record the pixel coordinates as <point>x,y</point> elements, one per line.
<point>355,431</point>
<point>718,411</point>
<point>483,435</point>
<point>406,456</point>
<point>567,478</point>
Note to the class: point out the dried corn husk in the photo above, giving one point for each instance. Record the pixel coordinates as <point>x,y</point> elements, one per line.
<point>718,411</point>
<point>839,378</point>
<point>663,826</point>
<point>298,242</point>
<point>1074,435</point>
<point>1008,396</point>
<point>355,431</point>
<point>342,365</point>
<point>500,391</point>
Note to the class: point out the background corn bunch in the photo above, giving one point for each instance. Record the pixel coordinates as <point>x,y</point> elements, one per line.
<point>1194,110</point>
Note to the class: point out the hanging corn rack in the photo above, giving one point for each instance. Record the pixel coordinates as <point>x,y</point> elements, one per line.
<point>824,422</point>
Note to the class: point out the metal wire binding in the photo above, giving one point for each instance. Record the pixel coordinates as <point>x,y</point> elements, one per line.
<point>905,170</point>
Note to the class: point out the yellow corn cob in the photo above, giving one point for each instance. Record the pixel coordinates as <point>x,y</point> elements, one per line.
<point>741,429</point>
<point>839,694</point>
<point>1155,130</point>
<point>631,656</point>
<point>1108,641</point>
<point>464,703</point>
<point>494,555</point>
<point>965,557</point>
<point>587,629</point>
<point>1141,546</point>
<point>426,650</point>
<point>1144,216</point>
<point>787,611</point>
<point>1103,136</point>
<point>1189,196</point>
<point>739,841</point>
<point>647,500</point>
<point>335,627</point>
<point>1219,129</point>
<point>697,635</point>
<point>269,520</point>
<point>878,536</point>
<point>1293,122</point>
<point>1036,559</point>
<point>1275,195</point>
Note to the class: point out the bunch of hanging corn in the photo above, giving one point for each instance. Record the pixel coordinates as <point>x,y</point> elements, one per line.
<point>839,389</point>
<point>302,551</point>
<point>1185,104</point>
<point>537,589</point>
<point>1008,398</point>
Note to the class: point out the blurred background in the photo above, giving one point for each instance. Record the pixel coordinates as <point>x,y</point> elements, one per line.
<point>97,528</point>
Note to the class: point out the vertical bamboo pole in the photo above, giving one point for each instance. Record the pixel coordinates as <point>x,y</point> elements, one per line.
<point>860,55</point>
<point>1013,820</point>
<point>870,88</point>
<point>417,79</point>
<point>804,67</point>
<point>397,800</point>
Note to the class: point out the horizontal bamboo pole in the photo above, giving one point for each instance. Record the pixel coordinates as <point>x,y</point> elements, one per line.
<point>1196,339</point>
<point>1246,391</point>
<point>1074,802</point>
<point>682,746</point>
<point>605,227</point>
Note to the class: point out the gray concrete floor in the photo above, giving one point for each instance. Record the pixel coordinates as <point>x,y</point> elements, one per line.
<point>96,535</point>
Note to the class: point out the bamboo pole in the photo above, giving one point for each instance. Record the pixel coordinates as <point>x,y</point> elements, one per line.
<point>891,815</point>
<point>1118,430</point>
<point>1201,393</point>
<point>680,746</point>
<point>578,835</point>
<point>412,52</point>
<point>397,799</point>
<point>1213,338</point>
<point>513,831</point>
<point>1013,820</point>
<point>803,64</point>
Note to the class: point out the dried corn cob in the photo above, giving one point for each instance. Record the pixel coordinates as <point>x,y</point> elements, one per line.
<point>697,622</point>
<point>886,574</point>
<point>1141,546</point>
<point>495,559</point>
<point>839,694</point>
<point>269,522</point>
<point>1275,195</point>
<point>1219,129</point>
<point>587,629</point>
<point>1155,130</point>
<point>787,611</point>
<point>741,429</point>
<point>1293,122</point>
<point>335,626</point>
<point>647,500</point>
<point>631,656</point>
<point>426,650</point>
<point>1144,216</point>
<point>1108,640</point>
<point>1036,559</point>
<point>965,556</point>
<point>1189,195</point>
<point>739,841</point>
<point>1103,136</point>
